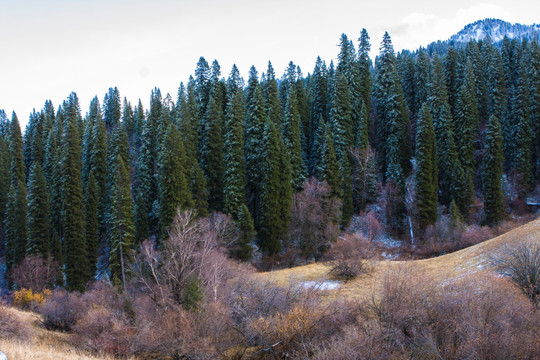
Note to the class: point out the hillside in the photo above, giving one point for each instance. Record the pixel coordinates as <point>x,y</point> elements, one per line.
<point>445,270</point>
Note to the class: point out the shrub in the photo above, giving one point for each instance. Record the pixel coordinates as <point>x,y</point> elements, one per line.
<point>350,255</point>
<point>61,310</point>
<point>26,299</point>
<point>522,265</point>
<point>35,273</point>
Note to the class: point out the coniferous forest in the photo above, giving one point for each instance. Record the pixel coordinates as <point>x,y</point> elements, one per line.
<point>433,133</point>
<point>138,230</point>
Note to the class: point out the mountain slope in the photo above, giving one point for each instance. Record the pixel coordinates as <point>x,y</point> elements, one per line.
<point>497,30</point>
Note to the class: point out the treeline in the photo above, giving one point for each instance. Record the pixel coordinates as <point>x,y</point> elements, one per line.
<point>118,175</point>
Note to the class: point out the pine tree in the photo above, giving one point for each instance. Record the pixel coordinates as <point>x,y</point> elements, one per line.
<point>91,221</point>
<point>122,230</point>
<point>393,123</point>
<point>426,175</point>
<point>450,176</point>
<point>327,168</point>
<point>451,74</point>
<point>246,233</point>
<point>364,64</point>
<point>319,112</point>
<point>254,123</point>
<point>343,130</point>
<point>270,93</point>
<point>197,187</point>
<point>422,79</point>
<point>15,221</point>
<point>276,191</point>
<point>466,125</point>
<point>4,185</point>
<point>292,139</point>
<point>202,86</point>
<point>72,215</point>
<point>173,186</point>
<point>492,173</point>
<point>235,170</point>
<point>211,152</point>
<point>112,109</point>
<point>38,213</point>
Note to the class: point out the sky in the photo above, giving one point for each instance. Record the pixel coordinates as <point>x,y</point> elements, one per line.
<point>50,48</point>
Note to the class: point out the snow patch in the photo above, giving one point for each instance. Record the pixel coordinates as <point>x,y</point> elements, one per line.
<point>321,285</point>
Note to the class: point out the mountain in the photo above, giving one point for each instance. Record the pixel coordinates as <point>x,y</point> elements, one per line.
<point>497,30</point>
<point>479,30</point>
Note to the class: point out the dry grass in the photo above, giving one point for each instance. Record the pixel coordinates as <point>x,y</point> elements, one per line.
<point>45,345</point>
<point>461,266</point>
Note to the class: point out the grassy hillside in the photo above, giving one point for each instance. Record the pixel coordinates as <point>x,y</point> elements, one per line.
<point>445,270</point>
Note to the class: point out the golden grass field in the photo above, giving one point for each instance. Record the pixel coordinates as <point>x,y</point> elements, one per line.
<point>44,345</point>
<point>460,266</point>
<point>465,265</point>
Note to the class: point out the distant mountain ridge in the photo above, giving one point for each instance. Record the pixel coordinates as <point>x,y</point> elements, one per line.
<point>496,29</point>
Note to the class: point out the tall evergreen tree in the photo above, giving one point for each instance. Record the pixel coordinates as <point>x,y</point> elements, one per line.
<point>466,125</point>
<point>327,168</point>
<point>91,222</point>
<point>276,191</point>
<point>38,213</point>
<point>235,170</point>
<point>254,123</point>
<point>73,227</point>
<point>319,112</point>
<point>292,139</point>
<point>364,64</point>
<point>492,173</point>
<point>450,173</point>
<point>15,220</point>
<point>211,152</point>
<point>112,109</point>
<point>121,224</point>
<point>173,186</point>
<point>426,175</point>
<point>270,93</point>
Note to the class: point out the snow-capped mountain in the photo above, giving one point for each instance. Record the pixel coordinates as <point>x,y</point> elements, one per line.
<point>497,30</point>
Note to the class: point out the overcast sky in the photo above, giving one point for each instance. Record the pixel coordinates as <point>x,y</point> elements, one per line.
<point>50,48</point>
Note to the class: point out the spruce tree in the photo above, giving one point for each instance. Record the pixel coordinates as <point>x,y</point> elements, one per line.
<point>450,172</point>
<point>364,65</point>
<point>4,186</point>
<point>466,125</point>
<point>72,215</point>
<point>422,76</point>
<point>327,168</point>
<point>246,231</point>
<point>270,93</point>
<point>197,187</point>
<point>426,175</point>
<point>122,230</point>
<point>343,131</point>
<point>112,109</point>
<point>254,123</point>
<point>173,185</point>
<point>91,221</point>
<point>492,173</point>
<point>292,139</point>
<point>234,183</point>
<point>276,191</point>
<point>15,221</point>
<point>319,112</point>
<point>38,213</point>
<point>211,153</point>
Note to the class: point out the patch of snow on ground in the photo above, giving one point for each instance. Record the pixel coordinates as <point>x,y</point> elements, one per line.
<point>389,242</point>
<point>321,285</point>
